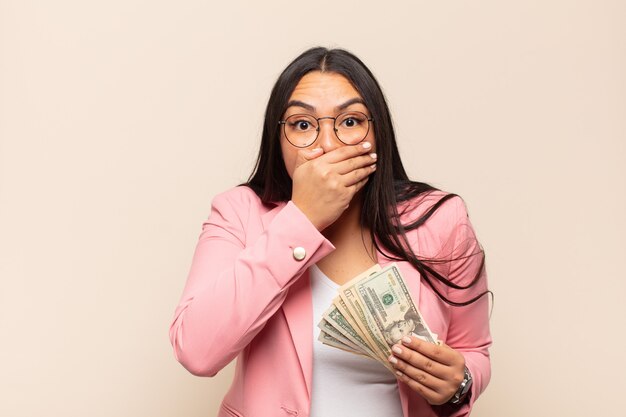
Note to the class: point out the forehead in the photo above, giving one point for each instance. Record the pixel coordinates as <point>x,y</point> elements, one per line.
<point>324,88</point>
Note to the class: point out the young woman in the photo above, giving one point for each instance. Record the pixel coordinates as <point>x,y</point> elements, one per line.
<point>328,199</point>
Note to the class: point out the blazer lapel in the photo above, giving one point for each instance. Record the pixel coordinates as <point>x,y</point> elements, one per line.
<point>298,311</point>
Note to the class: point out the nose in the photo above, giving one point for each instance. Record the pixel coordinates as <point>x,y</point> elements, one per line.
<point>327,139</point>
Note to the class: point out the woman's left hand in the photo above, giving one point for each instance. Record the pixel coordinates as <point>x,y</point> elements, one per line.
<point>434,371</point>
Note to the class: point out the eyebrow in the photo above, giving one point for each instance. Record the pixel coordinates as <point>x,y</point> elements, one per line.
<point>298,103</point>
<point>356,100</point>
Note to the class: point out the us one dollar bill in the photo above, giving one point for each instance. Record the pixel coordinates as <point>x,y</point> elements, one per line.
<point>371,313</point>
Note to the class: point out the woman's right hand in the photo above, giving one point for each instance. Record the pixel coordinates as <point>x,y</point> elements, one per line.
<point>324,184</point>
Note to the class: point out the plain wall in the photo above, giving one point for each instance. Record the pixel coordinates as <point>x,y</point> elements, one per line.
<point>120,120</point>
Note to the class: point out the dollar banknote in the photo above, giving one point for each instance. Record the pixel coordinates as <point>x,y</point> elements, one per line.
<point>372,312</point>
<point>338,323</point>
<point>388,301</point>
<point>364,320</point>
<point>329,340</point>
<point>327,328</point>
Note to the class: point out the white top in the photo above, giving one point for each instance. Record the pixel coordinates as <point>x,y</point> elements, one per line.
<point>346,384</point>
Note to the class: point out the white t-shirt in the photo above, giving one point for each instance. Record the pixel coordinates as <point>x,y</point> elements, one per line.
<point>346,384</point>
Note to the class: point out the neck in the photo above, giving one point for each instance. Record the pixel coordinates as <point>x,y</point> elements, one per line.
<point>348,223</point>
<point>347,234</point>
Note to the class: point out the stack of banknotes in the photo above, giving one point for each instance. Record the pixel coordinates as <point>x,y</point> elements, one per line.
<point>371,313</point>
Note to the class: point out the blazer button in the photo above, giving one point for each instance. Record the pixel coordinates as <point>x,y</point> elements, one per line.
<point>299,253</point>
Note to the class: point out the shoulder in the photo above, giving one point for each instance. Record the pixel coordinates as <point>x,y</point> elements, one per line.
<point>436,222</point>
<point>235,213</point>
<point>446,234</point>
<point>444,209</point>
<point>240,199</point>
<point>238,207</point>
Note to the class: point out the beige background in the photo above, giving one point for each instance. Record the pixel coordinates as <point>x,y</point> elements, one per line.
<point>120,120</point>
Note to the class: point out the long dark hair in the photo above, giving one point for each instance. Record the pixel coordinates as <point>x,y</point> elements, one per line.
<point>383,192</point>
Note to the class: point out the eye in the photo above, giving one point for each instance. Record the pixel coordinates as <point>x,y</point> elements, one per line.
<point>352,120</point>
<point>300,124</point>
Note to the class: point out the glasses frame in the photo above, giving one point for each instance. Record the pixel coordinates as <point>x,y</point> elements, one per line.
<point>334,119</point>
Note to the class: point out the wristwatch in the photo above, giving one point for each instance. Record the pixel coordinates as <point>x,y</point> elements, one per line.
<point>464,388</point>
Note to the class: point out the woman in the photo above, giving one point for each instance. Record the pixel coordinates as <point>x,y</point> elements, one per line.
<point>328,199</point>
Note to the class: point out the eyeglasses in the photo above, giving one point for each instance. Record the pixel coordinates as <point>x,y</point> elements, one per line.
<point>301,130</point>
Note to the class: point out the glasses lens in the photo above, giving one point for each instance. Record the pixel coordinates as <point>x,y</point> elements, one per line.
<point>301,129</point>
<point>352,127</point>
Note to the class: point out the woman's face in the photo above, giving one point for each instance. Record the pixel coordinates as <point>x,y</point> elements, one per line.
<point>322,94</point>
<point>398,330</point>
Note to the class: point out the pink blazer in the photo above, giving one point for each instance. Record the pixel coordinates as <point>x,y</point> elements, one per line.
<point>247,297</point>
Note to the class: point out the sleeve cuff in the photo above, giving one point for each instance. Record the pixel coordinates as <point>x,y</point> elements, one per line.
<point>297,243</point>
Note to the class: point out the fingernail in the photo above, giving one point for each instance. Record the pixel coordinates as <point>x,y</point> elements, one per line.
<point>393,360</point>
<point>398,373</point>
<point>316,149</point>
<point>373,155</point>
<point>397,350</point>
<point>373,166</point>
<point>367,145</point>
<point>406,339</point>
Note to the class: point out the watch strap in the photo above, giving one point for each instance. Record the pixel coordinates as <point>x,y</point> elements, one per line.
<point>464,388</point>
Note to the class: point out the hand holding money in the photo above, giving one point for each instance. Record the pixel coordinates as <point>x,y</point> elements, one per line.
<point>372,313</point>
<point>434,371</point>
